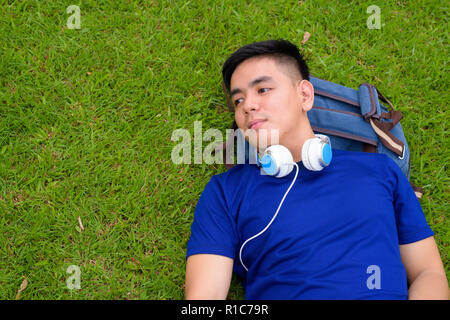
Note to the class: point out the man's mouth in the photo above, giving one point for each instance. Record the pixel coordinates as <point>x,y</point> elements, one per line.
<point>255,124</point>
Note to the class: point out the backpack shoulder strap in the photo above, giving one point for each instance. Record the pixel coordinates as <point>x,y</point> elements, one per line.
<point>371,111</point>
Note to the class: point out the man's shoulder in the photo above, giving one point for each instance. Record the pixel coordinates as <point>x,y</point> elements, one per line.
<point>343,156</point>
<point>358,155</point>
<point>238,177</point>
<point>237,172</point>
<point>363,161</point>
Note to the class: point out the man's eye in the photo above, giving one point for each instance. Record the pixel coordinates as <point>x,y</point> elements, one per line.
<point>262,90</point>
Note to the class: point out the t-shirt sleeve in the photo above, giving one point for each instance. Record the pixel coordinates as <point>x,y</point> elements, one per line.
<point>411,223</point>
<point>213,230</point>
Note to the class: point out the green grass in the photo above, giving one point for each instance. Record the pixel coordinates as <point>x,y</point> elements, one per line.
<point>86,118</point>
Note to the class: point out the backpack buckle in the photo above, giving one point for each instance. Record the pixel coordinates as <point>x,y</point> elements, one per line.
<point>403,154</point>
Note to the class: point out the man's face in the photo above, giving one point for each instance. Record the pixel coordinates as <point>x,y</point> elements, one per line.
<point>266,98</point>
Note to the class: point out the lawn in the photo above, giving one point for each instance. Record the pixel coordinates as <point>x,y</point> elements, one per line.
<point>87,115</point>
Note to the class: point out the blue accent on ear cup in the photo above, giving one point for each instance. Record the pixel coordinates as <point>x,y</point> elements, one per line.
<point>327,154</point>
<point>268,165</point>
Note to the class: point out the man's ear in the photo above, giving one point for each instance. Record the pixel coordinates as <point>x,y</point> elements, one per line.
<point>305,92</point>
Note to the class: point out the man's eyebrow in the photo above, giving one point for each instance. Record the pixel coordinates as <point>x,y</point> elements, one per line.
<point>252,83</point>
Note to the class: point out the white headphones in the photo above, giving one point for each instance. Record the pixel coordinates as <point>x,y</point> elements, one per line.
<point>277,160</point>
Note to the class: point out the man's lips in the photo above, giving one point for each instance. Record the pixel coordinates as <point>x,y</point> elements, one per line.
<point>255,124</point>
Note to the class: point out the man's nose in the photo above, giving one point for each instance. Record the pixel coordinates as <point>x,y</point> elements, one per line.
<point>251,104</point>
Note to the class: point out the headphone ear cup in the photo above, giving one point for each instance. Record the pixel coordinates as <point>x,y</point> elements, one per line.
<point>305,154</point>
<point>316,153</point>
<point>277,161</point>
<point>286,163</point>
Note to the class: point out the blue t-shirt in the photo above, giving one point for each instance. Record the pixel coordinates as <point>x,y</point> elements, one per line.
<point>336,235</point>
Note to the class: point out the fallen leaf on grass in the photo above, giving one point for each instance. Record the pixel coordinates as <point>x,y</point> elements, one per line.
<point>23,286</point>
<point>80,223</point>
<point>306,36</point>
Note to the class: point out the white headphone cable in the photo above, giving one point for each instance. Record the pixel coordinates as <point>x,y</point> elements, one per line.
<point>273,218</point>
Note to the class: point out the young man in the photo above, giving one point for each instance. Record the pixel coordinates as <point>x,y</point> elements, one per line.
<point>354,230</point>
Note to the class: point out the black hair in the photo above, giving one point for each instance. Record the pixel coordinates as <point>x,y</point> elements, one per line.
<point>281,50</point>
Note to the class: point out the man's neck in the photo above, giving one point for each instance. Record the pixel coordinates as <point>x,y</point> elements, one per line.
<point>295,145</point>
<point>294,141</point>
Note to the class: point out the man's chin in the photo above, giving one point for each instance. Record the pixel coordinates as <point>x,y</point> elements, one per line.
<point>262,138</point>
